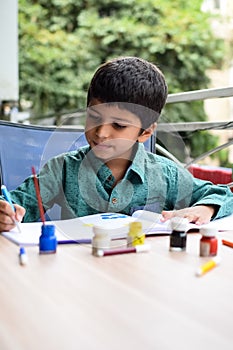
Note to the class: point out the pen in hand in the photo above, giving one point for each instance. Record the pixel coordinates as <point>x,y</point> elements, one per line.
<point>7,196</point>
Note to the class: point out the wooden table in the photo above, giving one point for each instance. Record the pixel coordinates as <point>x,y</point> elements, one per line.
<point>73,300</point>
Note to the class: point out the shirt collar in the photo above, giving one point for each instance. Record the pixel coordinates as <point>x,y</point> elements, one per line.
<point>95,162</point>
<point>98,166</point>
<point>137,166</point>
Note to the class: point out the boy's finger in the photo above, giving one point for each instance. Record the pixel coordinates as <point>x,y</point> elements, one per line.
<point>19,212</point>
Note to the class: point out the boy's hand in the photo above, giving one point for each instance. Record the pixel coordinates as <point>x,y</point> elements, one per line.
<point>200,214</point>
<point>7,216</point>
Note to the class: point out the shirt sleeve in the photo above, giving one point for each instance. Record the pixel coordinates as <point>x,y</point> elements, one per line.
<point>50,183</point>
<point>191,191</point>
<point>205,193</point>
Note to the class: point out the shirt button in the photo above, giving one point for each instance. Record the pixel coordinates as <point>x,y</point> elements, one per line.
<point>114,200</point>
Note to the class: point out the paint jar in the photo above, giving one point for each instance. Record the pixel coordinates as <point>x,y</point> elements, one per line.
<point>47,240</point>
<point>178,234</point>
<point>101,239</point>
<point>208,242</point>
<point>135,235</point>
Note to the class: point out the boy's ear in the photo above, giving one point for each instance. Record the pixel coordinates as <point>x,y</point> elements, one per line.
<point>146,134</point>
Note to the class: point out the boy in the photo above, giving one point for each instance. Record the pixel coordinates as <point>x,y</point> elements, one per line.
<point>114,173</point>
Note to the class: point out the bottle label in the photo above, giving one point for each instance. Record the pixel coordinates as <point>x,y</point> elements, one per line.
<point>178,240</point>
<point>209,248</point>
<point>137,240</point>
<point>135,234</point>
<point>205,249</point>
<point>100,243</point>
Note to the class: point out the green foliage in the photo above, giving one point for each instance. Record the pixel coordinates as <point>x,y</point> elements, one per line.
<point>61,43</point>
<point>201,140</point>
<point>223,157</point>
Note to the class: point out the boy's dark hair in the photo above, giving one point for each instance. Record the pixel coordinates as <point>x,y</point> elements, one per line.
<point>134,84</point>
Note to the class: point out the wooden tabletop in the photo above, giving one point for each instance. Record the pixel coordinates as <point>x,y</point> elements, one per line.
<point>73,300</point>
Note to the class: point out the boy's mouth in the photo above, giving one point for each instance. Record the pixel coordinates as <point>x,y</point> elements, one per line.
<point>101,145</point>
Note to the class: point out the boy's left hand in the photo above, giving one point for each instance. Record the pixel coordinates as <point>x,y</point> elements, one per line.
<point>200,214</point>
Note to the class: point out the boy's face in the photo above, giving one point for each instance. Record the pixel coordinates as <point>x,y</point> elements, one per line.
<point>111,132</point>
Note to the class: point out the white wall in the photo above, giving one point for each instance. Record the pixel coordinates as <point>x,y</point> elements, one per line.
<point>8,50</point>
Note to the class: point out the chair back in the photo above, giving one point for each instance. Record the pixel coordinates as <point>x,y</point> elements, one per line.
<point>23,146</point>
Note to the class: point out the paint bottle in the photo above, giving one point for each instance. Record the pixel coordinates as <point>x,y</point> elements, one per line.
<point>135,235</point>
<point>101,239</point>
<point>208,242</point>
<point>47,240</point>
<point>178,235</point>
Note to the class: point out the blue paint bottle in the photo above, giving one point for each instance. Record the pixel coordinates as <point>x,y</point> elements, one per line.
<point>48,240</point>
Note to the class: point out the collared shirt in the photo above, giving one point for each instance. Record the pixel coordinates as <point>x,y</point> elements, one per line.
<point>82,184</point>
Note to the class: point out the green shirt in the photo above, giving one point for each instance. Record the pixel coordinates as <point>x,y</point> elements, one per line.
<point>82,185</point>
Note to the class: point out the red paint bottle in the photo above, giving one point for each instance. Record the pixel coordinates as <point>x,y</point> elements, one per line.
<point>208,242</point>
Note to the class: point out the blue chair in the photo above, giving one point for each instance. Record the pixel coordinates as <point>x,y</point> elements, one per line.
<point>23,146</point>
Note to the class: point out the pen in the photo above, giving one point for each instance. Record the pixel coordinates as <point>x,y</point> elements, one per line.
<point>7,196</point>
<point>229,244</point>
<point>77,241</point>
<point>137,249</point>
<point>209,265</point>
<point>23,259</point>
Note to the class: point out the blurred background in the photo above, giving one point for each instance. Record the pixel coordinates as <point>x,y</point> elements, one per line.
<point>49,50</point>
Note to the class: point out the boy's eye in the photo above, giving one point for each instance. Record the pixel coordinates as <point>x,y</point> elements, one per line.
<point>118,126</point>
<point>94,118</point>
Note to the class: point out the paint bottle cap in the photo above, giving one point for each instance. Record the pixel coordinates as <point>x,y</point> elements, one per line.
<point>22,251</point>
<point>101,239</point>
<point>179,224</point>
<point>101,230</point>
<point>135,228</point>
<point>208,231</point>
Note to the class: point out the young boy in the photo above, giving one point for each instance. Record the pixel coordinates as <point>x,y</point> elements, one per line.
<point>114,173</point>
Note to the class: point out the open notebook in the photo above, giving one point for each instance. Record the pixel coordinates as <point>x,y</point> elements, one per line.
<point>81,228</point>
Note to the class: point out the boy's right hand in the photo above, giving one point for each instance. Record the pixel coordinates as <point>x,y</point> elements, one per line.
<point>7,216</point>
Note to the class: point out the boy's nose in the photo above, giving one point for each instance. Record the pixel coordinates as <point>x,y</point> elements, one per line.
<point>103,131</point>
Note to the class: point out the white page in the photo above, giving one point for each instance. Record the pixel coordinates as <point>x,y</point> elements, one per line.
<point>73,229</point>
<point>223,224</point>
<point>81,228</point>
<point>30,232</point>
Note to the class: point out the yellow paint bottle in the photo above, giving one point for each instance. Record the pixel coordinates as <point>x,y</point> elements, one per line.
<point>135,235</point>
